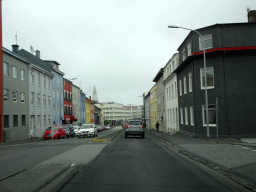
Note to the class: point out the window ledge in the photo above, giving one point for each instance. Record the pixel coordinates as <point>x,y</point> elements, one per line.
<point>210,125</point>
<point>207,88</point>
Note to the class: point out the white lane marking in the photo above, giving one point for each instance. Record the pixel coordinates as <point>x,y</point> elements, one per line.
<point>253,150</point>
<point>72,165</point>
<point>246,148</point>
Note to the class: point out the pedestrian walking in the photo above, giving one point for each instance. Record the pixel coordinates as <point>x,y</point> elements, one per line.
<point>157,126</point>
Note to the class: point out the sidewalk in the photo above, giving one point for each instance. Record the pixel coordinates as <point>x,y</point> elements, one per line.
<point>233,157</point>
<point>25,141</point>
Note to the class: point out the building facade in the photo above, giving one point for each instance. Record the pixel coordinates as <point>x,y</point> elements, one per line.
<point>147,109</point>
<point>68,112</point>
<point>230,60</point>
<point>171,95</point>
<point>153,107</point>
<point>76,103</point>
<point>15,96</point>
<point>40,77</point>
<point>82,108</point>
<point>88,110</point>
<point>56,99</point>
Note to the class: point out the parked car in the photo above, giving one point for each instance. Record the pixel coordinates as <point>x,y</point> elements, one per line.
<point>69,130</point>
<point>99,128</point>
<point>76,129</point>
<point>87,130</point>
<point>106,127</point>
<point>134,128</point>
<point>54,132</point>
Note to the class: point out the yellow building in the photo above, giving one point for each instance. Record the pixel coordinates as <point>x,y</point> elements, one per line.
<point>88,110</point>
<point>153,106</point>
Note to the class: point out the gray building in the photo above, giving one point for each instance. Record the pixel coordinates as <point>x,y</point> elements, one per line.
<point>16,95</point>
<point>147,110</point>
<point>160,100</point>
<point>230,62</point>
<point>40,77</point>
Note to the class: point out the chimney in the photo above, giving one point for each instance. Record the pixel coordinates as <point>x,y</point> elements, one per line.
<point>90,97</point>
<point>252,16</point>
<point>15,49</point>
<point>37,53</point>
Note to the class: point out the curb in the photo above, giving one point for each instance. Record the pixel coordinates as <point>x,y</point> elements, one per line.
<point>245,183</point>
<point>60,181</point>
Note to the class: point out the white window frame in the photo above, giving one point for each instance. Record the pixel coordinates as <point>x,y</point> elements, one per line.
<point>183,55</point>
<point>44,100</point>
<point>208,70</point>
<point>32,78</point>
<point>7,94</point>
<point>22,74</point>
<point>22,97</point>
<point>49,101</point>
<point>189,49</point>
<point>207,37</point>
<point>32,98</point>
<point>14,72</point>
<point>38,99</point>
<point>53,93</point>
<point>172,92</point>
<point>192,116</point>
<point>173,114</point>
<point>15,99</point>
<point>180,87</point>
<point>211,107</point>
<point>185,85</point>
<point>181,116</point>
<point>190,82</point>
<point>6,68</point>
<point>44,81</point>
<point>186,115</point>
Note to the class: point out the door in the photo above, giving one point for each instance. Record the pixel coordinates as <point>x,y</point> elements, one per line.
<point>32,126</point>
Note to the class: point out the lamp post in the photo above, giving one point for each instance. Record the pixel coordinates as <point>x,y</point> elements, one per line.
<point>205,80</point>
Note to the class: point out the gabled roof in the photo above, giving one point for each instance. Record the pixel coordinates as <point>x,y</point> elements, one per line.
<point>15,55</point>
<point>158,75</point>
<point>35,60</point>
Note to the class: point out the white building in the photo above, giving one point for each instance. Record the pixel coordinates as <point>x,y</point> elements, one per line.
<point>171,95</point>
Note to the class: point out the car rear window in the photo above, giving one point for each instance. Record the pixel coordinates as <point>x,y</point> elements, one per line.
<point>134,123</point>
<point>87,126</point>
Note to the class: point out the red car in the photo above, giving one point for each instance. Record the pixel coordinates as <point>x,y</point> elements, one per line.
<point>56,132</point>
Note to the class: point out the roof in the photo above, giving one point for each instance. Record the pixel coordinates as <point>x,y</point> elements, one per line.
<point>35,60</point>
<point>171,59</point>
<point>52,61</point>
<point>15,55</point>
<point>158,75</point>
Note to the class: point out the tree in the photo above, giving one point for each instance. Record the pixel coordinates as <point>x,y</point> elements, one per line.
<point>106,122</point>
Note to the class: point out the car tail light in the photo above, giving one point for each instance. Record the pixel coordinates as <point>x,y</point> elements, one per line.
<point>141,126</point>
<point>128,126</point>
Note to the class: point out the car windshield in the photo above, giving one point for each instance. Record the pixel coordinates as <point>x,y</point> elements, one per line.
<point>49,129</point>
<point>134,123</point>
<point>87,126</point>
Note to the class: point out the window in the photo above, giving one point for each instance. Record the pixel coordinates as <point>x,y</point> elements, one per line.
<point>14,71</point>
<point>22,75</point>
<point>49,120</point>
<point>23,120</point>
<point>189,49</point>
<point>172,92</point>
<point>49,101</point>
<point>186,115</point>
<point>185,85</point>
<point>38,79</point>
<point>38,120</point>
<point>22,97</point>
<point>14,96</point>
<point>44,101</point>
<point>61,110</point>
<point>32,77</point>
<point>173,114</point>
<point>65,95</point>
<point>180,87</point>
<point>70,96</point>
<point>15,120</point>
<point>58,109</point>
<point>211,115</point>
<point>183,55</point>
<point>49,83</point>
<point>191,115</point>
<point>6,94</point>
<point>32,98</point>
<point>44,120</point>
<point>6,68</point>
<point>38,98</point>
<point>190,82</point>
<point>57,93</point>
<point>44,81</point>
<point>166,94</point>
<point>6,121</point>
<point>54,109</point>
<point>173,66</point>
<point>57,78</point>
<point>207,41</point>
<point>181,116</point>
<point>53,93</point>
<point>209,77</point>
<point>175,90</point>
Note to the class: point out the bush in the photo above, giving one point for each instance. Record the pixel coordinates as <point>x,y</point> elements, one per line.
<point>106,122</point>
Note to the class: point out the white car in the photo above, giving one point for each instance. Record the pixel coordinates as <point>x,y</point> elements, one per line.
<point>87,130</point>
<point>76,129</point>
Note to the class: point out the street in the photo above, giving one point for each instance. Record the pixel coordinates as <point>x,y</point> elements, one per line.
<point>135,164</point>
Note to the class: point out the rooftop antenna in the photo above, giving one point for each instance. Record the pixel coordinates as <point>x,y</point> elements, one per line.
<point>248,8</point>
<point>31,49</point>
<point>89,91</point>
<point>80,84</point>
<point>16,37</point>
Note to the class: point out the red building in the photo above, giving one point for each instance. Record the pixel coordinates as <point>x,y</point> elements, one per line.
<point>67,94</point>
<point>1,77</point>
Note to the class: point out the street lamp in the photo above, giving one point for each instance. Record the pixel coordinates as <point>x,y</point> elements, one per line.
<point>205,80</point>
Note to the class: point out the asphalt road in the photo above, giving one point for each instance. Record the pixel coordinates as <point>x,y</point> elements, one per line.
<point>136,164</point>
<point>14,158</point>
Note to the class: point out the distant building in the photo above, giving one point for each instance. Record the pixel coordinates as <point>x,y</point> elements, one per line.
<point>82,107</point>
<point>76,103</point>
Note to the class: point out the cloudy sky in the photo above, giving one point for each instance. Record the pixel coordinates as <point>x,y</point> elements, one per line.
<point>118,46</point>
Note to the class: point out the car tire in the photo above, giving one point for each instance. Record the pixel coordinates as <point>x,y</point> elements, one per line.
<point>125,136</point>
<point>142,136</point>
<point>79,137</point>
<point>59,137</point>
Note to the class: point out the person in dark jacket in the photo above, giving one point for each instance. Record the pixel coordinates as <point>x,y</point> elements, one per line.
<point>157,126</point>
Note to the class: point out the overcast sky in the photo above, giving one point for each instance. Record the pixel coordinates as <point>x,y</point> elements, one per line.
<point>118,46</point>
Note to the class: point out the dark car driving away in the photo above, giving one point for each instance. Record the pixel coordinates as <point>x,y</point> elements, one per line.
<point>69,130</point>
<point>134,128</point>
